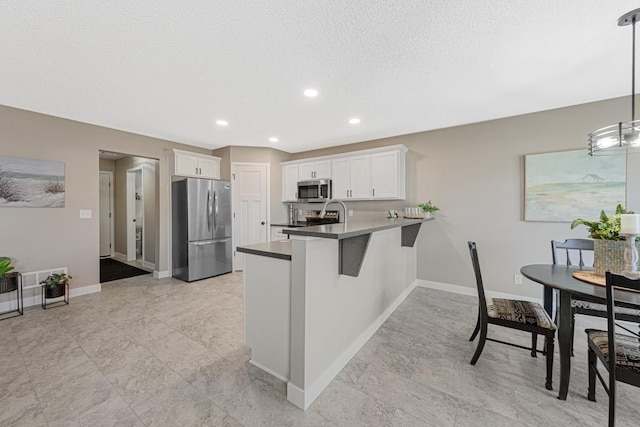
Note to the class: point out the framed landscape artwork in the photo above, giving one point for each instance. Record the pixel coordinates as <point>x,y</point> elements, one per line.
<point>30,183</point>
<point>566,185</point>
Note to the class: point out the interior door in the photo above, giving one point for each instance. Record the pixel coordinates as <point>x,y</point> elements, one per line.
<point>106,217</point>
<point>250,183</point>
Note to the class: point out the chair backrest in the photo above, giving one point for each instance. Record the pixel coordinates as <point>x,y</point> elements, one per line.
<point>572,249</point>
<point>473,251</point>
<point>616,280</point>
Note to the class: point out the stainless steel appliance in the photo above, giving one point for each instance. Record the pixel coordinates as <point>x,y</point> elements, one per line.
<point>201,228</point>
<point>314,218</point>
<point>317,190</point>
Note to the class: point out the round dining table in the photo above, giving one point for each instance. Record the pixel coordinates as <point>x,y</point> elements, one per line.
<point>560,277</point>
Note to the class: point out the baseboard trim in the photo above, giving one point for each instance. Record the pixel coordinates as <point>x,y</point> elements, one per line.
<point>119,257</point>
<point>465,290</point>
<point>303,398</point>
<point>161,274</point>
<point>149,265</point>
<point>30,301</point>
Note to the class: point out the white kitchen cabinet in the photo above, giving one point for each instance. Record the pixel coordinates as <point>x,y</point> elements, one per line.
<point>290,183</point>
<point>314,170</point>
<point>185,163</point>
<point>340,180</point>
<point>373,174</point>
<point>387,175</point>
<point>360,177</point>
<point>350,178</point>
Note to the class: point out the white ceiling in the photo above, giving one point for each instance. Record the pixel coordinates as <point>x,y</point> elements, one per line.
<point>170,69</point>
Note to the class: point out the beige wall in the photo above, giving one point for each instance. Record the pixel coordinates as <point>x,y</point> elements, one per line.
<point>41,238</point>
<point>474,173</point>
<point>236,154</point>
<point>107,165</point>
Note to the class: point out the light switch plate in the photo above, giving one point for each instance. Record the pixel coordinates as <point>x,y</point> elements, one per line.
<point>85,213</point>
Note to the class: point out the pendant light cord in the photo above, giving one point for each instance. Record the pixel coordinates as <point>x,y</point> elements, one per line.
<point>633,71</point>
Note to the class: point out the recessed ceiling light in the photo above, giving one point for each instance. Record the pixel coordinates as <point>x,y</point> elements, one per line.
<point>354,121</point>
<point>273,139</point>
<point>311,93</point>
<point>222,122</point>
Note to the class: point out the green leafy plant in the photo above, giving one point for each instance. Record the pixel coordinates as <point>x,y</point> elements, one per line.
<point>428,207</point>
<point>56,279</point>
<point>607,228</point>
<point>5,266</point>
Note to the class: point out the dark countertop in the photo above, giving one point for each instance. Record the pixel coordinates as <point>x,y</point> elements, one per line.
<point>353,227</point>
<point>298,224</point>
<point>280,249</point>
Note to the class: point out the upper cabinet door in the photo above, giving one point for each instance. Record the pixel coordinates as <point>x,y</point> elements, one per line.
<point>340,178</point>
<point>360,177</point>
<point>322,169</point>
<point>186,165</point>
<point>209,168</point>
<point>290,183</point>
<point>306,171</point>
<point>384,175</point>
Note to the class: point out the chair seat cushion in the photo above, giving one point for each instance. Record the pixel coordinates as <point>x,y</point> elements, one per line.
<point>601,307</point>
<point>526,312</point>
<point>628,348</point>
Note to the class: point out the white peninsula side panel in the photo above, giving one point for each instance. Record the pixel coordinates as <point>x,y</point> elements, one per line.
<point>267,308</point>
<point>333,315</point>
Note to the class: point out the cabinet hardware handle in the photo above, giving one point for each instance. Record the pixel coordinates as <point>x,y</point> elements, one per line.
<point>374,192</point>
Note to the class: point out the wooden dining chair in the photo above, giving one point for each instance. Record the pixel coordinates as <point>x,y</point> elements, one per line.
<point>575,251</point>
<point>515,314</point>
<point>625,366</point>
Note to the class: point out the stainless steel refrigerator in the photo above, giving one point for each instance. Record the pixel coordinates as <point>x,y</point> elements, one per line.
<point>201,228</point>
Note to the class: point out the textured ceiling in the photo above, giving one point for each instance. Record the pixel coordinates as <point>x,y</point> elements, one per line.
<point>170,69</point>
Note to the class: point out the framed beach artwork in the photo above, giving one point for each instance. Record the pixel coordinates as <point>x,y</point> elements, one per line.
<point>566,185</point>
<point>30,183</point>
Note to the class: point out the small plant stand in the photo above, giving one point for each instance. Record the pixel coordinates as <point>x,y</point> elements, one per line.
<point>65,297</point>
<point>7,286</point>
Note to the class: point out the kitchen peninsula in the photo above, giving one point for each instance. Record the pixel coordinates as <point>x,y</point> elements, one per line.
<point>313,302</point>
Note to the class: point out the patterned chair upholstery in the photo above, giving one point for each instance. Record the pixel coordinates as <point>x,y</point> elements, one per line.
<point>515,314</point>
<point>625,365</point>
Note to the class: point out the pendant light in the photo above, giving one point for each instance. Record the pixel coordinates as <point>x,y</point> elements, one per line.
<point>624,135</point>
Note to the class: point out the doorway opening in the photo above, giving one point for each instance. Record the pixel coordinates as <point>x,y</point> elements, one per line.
<point>129,188</point>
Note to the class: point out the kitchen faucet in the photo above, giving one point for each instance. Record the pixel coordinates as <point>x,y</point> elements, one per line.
<point>324,209</point>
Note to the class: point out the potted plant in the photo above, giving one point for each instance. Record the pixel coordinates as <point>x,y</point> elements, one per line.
<point>55,284</point>
<point>608,244</point>
<point>8,279</point>
<point>428,208</point>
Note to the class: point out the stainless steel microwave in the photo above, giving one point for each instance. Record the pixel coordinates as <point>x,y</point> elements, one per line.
<point>317,190</point>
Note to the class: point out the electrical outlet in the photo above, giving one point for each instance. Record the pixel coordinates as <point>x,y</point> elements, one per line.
<point>350,212</point>
<point>517,279</point>
<point>85,214</point>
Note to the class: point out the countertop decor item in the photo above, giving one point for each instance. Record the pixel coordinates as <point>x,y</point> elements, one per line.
<point>608,242</point>
<point>428,208</point>
<point>630,229</point>
<point>623,135</point>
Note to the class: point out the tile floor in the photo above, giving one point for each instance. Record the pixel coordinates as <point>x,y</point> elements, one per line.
<point>168,353</point>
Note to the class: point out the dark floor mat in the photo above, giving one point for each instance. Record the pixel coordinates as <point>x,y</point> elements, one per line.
<point>110,269</point>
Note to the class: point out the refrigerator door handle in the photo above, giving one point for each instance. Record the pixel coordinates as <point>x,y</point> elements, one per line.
<point>215,209</point>
<point>208,242</point>
<point>209,210</point>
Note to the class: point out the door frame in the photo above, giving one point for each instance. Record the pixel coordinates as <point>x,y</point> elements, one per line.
<point>131,212</point>
<point>111,213</point>
<point>234,198</point>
